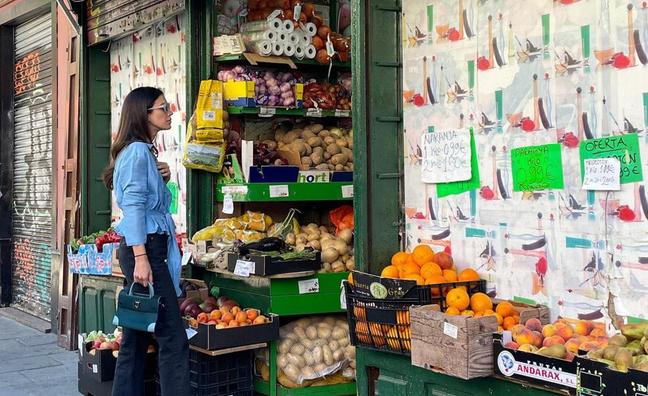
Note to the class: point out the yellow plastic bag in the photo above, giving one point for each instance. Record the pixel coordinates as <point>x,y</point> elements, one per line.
<point>209,107</point>
<point>207,155</point>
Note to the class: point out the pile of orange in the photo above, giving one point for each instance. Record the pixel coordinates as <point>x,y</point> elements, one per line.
<point>480,304</point>
<point>426,268</point>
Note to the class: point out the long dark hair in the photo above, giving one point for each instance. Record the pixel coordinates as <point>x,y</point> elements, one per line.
<point>133,125</point>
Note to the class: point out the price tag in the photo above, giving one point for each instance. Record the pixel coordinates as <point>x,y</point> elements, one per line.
<point>190,332</point>
<point>202,247</point>
<point>347,191</point>
<point>244,268</point>
<point>297,12</point>
<point>274,14</point>
<point>342,113</point>
<point>308,286</point>
<point>243,190</point>
<point>343,304</point>
<point>280,191</point>
<point>267,111</point>
<point>314,112</point>
<point>186,258</point>
<point>330,51</point>
<point>80,342</point>
<point>228,204</point>
<point>450,330</point>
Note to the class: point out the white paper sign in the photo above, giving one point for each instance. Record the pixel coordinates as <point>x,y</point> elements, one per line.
<point>450,330</point>
<point>347,191</point>
<point>186,258</point>
<point>234,189</point>
<point>602,174</point>
<point>308,286</point>
<point>244,268</point>
<point>280,191</point>
<point>445,156</point>
<point>228,204</point>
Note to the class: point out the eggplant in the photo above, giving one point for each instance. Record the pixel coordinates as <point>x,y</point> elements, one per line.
<point>270,244</point>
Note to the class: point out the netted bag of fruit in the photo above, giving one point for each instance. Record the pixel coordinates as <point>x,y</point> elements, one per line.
<point>314,347</point>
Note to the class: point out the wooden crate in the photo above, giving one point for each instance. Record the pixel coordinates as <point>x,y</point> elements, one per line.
<point>459,346</point>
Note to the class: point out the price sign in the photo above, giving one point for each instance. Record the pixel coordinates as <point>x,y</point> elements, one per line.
<point>314,112</point>
<point>244,268</point>
<point>280,191</point>
<point>267,111</point>
<point>347,191</point>
<point>228,204</point>
<point>342,113</point>
<point>308,286</point>
<point>450,330</point>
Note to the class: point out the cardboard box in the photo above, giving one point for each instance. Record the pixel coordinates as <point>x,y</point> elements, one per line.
<point>532,369</point>
<point>202,293</point>
<point>209,337</point>
<point>459,346</point>
<point>266,265</point>
<point>596,378</point>
<point>100,365</point>
<point>239,93</point>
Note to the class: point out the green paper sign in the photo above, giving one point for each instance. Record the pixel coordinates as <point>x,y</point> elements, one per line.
<point>173,187</point>
<point>625,148</point>
<point>458,187</point>
<point>537,168</point>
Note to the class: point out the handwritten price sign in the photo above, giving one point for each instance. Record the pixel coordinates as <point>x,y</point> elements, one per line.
<point>537,168</point>
<point>445,156</point>
<point>624,148</point>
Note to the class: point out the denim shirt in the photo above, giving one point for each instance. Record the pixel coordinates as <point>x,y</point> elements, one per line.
<point>144,200</point>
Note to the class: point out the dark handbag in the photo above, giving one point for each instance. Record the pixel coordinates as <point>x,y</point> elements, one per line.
<point>137,311</point>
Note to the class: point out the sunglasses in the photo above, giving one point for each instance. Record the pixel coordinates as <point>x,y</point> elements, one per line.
<point>166,107</point>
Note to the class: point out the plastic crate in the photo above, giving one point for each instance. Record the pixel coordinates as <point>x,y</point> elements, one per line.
<point>384,324</point>
<point>222,375</point>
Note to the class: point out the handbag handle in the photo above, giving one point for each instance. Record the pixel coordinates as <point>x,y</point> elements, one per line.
<point>150,289</point>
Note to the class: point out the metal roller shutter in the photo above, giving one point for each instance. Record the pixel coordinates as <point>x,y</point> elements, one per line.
<point>32,201</point>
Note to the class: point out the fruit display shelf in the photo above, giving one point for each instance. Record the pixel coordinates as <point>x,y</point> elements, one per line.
<point>309,295</point>
<point>287,192</point>
<point>281,111</point>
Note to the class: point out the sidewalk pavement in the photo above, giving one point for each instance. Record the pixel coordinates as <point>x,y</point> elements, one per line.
<point>31,363</point>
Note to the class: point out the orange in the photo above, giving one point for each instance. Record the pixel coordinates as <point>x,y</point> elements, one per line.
<point>390,271</point>
<point>468,274</point>
<point>452,311</point>
<point>422,254</point>
<point>508,322</point>
<point>418,278</point>
<point>429,269</point>
<point>408,268</point>
<point>350,278</point>
<point>500,328</point>
<point>399,258</point>
<point>489,312</point>
<point>479,314</point>
<point>479,302</point>
<point>444,260</point>
<point>504,308</point>
<point>410,260</point>
<point>500,319</point>
<point>467,312</point>
<point>435,280</point>
<point>450,275</point>
<point>458,298</point>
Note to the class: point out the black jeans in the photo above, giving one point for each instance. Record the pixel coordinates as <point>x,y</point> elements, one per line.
<point>173,352</point>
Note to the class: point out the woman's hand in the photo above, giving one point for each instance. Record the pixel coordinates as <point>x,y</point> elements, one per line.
<point>143,274</point>
<point>163,167</point>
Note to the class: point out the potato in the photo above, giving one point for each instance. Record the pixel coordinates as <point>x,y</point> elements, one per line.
<point>308,373</point>
<point>309,149</point>
<point>346,235</point>
<point>306,161</point>
<point>315,236</point>
<point>339,168</point>
<point>329,140</point>
<point>344,341</point>
<point>315,244</point>
<point>327,267</point>
<point>282,361</point>
<point>302,239</point>
<point>297,349</point>
<point>341,247</point>
<point>271,144</point>
<point>337,159</point>
<point>323,333</point>
<point>334,345</point>
<point>310,360</point>
<point>338,355</point>
<point>320,368</point>
<point>311,332</point>
<point>285,345</point>
<point>315,141</point>
<point>347,152</point>
<point>350,264</point>
<point>337,266</point>
<point>329,255</point>
<point>309,345</point>
<point>290,137</point>
<point>316,128</point>
<point>299,147</point>
<point>342,143</point>
<point>292,372</point>
<point>318,355</point>
<point>290,239</point>
<point>338,333</point>
<point>308,134</point>
<point>324,134</point>
<point>328,355</point>
<point>318,149</point>
<point>316,158</point>
<point>300,247</point>
<point>279,135</point>
<point>323,229</point>
<point>327,156</point>
<point>322,167</point>
<point>337,132</point>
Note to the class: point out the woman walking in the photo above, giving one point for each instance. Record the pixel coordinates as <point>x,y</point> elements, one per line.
<point>148,252</point>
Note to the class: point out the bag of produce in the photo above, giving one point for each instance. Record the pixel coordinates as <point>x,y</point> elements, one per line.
<point>313,347</point>
<point>207,155</point>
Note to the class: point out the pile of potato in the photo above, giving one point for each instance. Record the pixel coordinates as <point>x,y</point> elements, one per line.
<point>318,148</point>
<point>337,251</point>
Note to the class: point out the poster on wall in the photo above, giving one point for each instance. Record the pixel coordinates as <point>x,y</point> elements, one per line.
<point>155,56</point>
<point>543,87</point>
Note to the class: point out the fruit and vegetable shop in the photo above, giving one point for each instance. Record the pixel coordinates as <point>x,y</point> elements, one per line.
<point>385,197</point>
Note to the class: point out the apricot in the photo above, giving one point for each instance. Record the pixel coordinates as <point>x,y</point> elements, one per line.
<point>525,336</point>
<point>534,324</point>
<point>241,317</point>
<point>572,345</point>
<point>215,315</point>
<point>233,323</point>
<point>235,310</point>
<point>598,332</point>
<point>227,317</point>
<point>516,329</point>
<point>260,320</point>
<point>252,313</point>
<point>537,338</point>
<point>548,330</point>
<point>583,328</point>
<point>564,330</point>
<point>511,345</point>
<point>553,340</point>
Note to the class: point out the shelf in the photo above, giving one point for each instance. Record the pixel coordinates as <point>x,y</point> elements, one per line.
<point>286,192</point>
<point>263,387</point>
<point>280,111</point>
<point>234,58</point>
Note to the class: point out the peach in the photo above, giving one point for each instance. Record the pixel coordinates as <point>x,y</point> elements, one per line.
<point>564,330</point>
<point>533,324</point>
<point>552,340</point>
<point>569,356</point>
<point>537,338</point>
<point>583,327</point>
<point>572,345</point>
<point>588,346</point>
<point>517,329</point>
<point>548,330</point>
<point>511,345</point>
<point>527,348</point>
<point>598,332</point>
<point>525,336</point>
